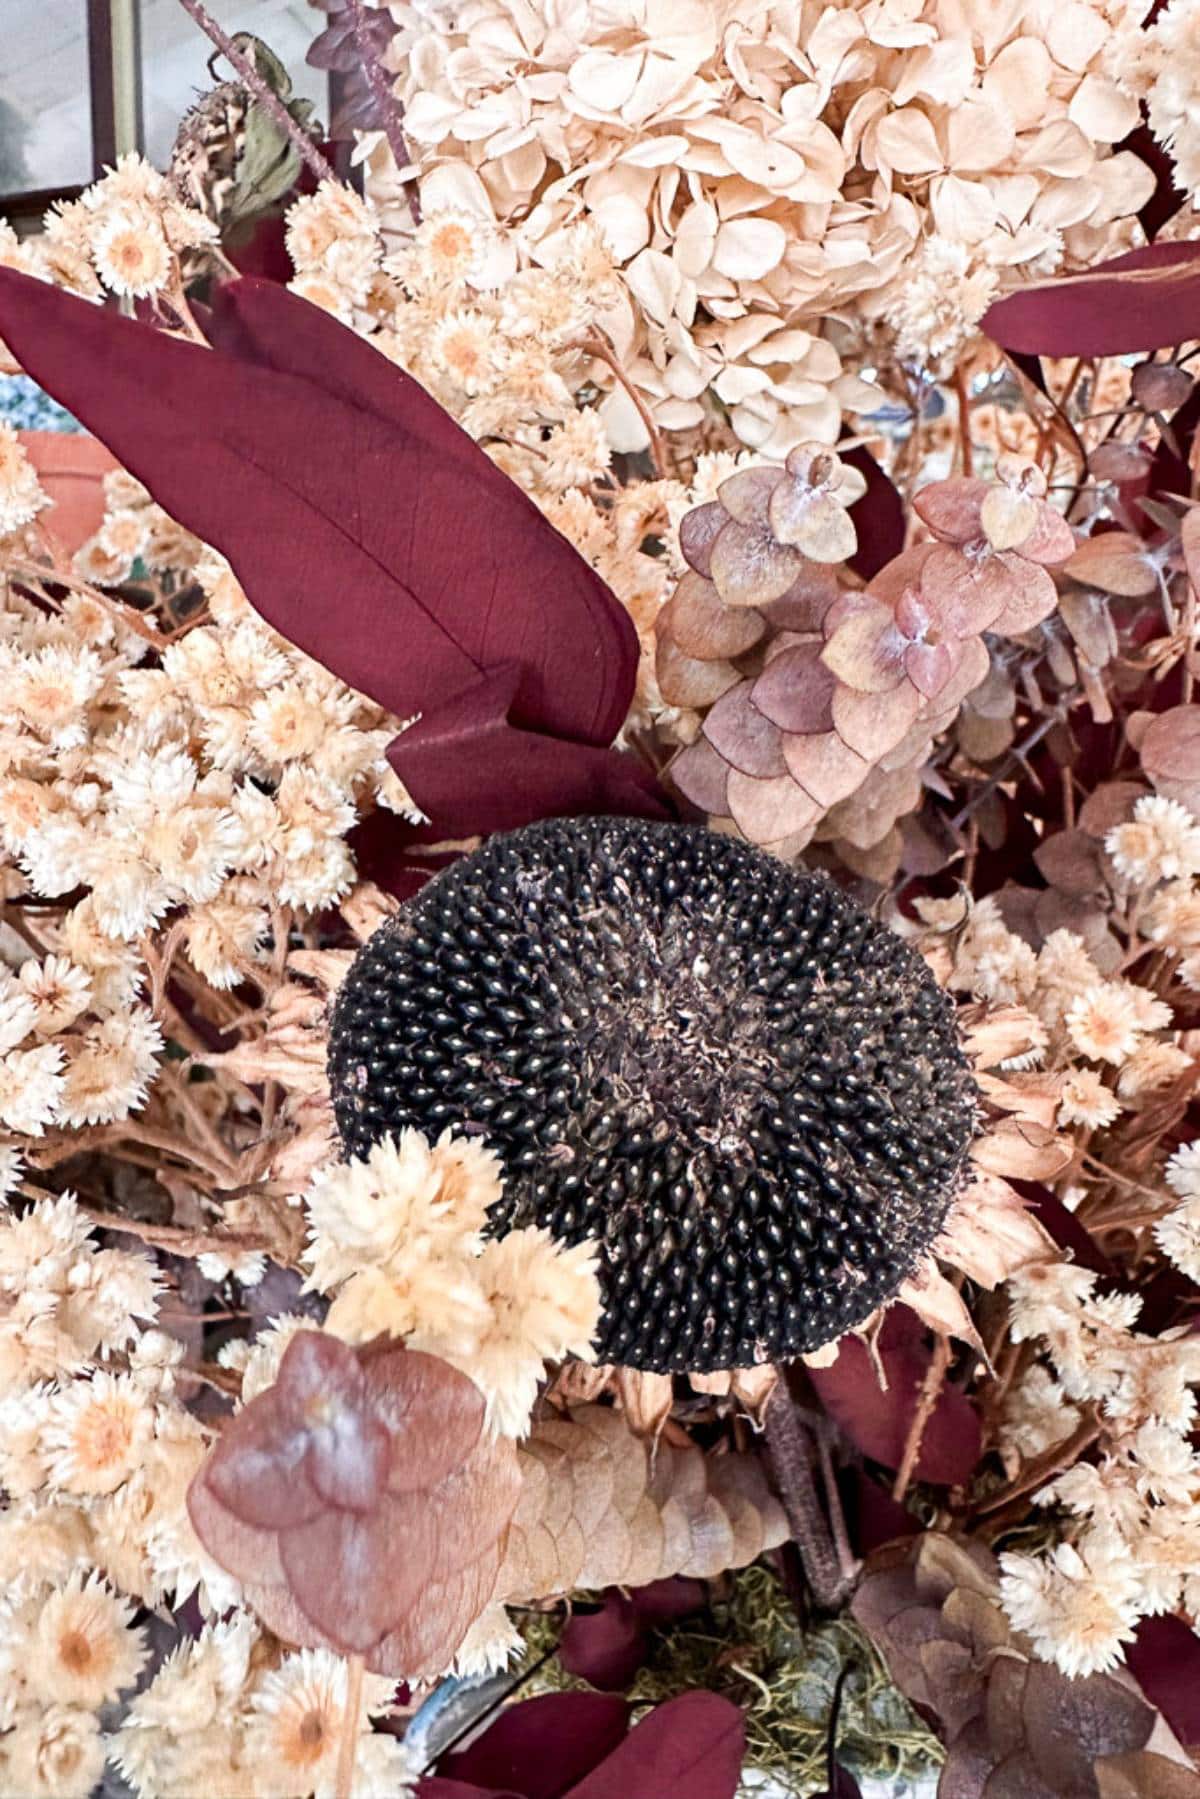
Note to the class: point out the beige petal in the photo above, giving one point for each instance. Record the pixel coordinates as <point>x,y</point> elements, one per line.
<point>1022,1150</point>
<point>747,249</point>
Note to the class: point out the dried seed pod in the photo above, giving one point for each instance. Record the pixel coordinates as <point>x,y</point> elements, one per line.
<point>746,1090</point>
<point>597,1510</point>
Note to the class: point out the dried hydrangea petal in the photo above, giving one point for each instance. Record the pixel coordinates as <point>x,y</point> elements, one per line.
<point>749,567</point>
<point>740,733</point>
<point>826,767</point>
<point>698,531</point>
<point>746,494</point>
<point>873,723</point>
<point>768,811</point>
<point>686,681</point>
<point>795,689</point>
<point>816,523</point>
<point>701,775</point>
<point>704,627</point>
<point>865,650</point>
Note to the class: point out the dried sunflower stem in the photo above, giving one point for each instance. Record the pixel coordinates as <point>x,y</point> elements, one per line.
<point>248,75</point>
<point>348,1743</point>
<point>793,1460</point>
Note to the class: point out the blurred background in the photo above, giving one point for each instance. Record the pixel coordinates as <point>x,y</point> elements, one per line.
<point>84,80</point>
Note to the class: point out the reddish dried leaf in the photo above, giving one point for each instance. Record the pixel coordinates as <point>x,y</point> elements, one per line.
<point>685,681</point>
<point>1170,747</point>
<point>746,494</point>
<point>1139,301</point>
<point>542,1746</point>
<point>804,606</point>
<point>1144,1775</point>
<point>434,1786</point>
<point>606,1647</point>
<point>877,1422</point>
<point>1164,1658</point>
<point>874,723</point>
<point>952,509</point>
<point>363,522</point>
<point>690,1748</point>
<point>865,649</point>
<point>878,515</point>
<point>1069,1723</point>
<point>1070,860</point>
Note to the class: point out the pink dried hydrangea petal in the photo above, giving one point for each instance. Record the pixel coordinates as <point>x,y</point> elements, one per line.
<point>424,1643</point>
<point>1032,598</point>
<point>795,690</point>
<point>701,776</point>
<point>750,568</point>
<point>873,723</point>
<point>952,508</point>
<point>804,606</point>
<point>967,593</point>
<point>348,1458</point>
<point>740,733</point>
<point>929,666</point>
<point>973,666</point>
<point>698,530</point>
<point>1051,541</point>
<point>766,811</point>
<point>473,1505</point>
<point>684,681</point>
<point>746,494</point>
<point>314,1365</point>
<point>247,1551</point>
<point>704,627</point>
<point>816,523</point>
<point>433,1413</point>
<point>865,650</point>
<point>355,1574</point>
<point>825,766</point>
<point>257,1469</point>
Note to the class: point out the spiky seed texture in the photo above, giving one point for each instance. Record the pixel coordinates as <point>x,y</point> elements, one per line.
<point>746,1089</point>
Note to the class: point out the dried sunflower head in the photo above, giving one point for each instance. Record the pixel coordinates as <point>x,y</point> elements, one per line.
<point>750,1093</point>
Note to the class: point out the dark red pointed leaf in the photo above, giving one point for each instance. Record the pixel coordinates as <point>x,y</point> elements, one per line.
<point>365,525</point>
<point>543,1746</point>
<point>690,1748</point>
<point>1165,1659</point>
<point>435,1786</point>
<point>1139,301</point>
<point>471,768</point>
<point>1066,1229</point>
<point>844,1786</point>
<point>877,1422</point>
<point>607,1647</point>
<point>878,515</point>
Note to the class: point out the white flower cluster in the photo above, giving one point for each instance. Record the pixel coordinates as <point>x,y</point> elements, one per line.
<point>1105,1043</point>
<point>96,1455</point>
<point>1160,63</point>
<point>194,797</point>
<point>124,233</point>
<point>398,1239</point>
<point>1135,1511</point>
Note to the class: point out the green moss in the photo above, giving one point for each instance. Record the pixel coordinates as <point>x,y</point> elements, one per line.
<point>751,1647</point>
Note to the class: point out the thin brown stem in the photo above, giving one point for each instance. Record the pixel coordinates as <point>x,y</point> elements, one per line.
<point>794,1461</point>
<point>596,345</point>
<point>348,1742</point>
<point>931,1387</point>
<point>966,448</point>
<point>263,93</point>
<point>391,113</point>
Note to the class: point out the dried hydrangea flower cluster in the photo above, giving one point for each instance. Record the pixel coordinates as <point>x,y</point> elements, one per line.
<point>397,1238</point>
<point>817,706</point>
<point>755,170</point>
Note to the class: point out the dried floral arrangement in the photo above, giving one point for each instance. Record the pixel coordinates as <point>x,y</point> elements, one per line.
<point>600,917</point>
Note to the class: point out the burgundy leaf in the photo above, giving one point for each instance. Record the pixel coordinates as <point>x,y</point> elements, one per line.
<point>365,525</point>
<point>689,1748</point>
<point>1066,1229</point>
<point>874,1516</point>
<point>434,1786</point>
<point>472,768</point>
<point>666,1601</point>
<point>543,1746</point>
<point>878,515</point>
<point>1165,1660</point>
<point>1139,301</point>
<point>1167,198</point>
<point>844,1786</point>
<point>877,1422</point>
<point>606,1648</point>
